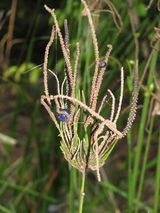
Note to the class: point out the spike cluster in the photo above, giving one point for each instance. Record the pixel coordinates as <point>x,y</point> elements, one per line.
<point>87,138</point>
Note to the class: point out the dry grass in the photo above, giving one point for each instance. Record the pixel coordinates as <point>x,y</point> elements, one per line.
<point>91,151</point>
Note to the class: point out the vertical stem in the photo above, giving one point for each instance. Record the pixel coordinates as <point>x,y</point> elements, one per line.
<point>143,169</point>
<point>11,28</point>
<point>157,180</point>
<point>72,187</point>
<point>129,139</point>
<point>138,151</point>
<point>82,194</point>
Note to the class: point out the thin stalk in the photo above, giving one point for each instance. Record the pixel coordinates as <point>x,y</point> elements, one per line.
<point>87,77</point>
<point>157,180</point>
<point>11,29</point>
<point>72,184</point>
<point>143,170</point>
<point>81,201</point>
<point>129,140</point>
<point>140,139</point>
<point>69,7</point>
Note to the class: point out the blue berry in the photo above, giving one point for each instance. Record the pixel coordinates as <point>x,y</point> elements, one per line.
<point>62,117</point>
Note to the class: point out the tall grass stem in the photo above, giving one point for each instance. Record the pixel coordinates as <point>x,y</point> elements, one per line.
<point>138,152</point>
<point>72,184</point>
<point>143,170</point>
<point>157,180</point>
<point>82,193</point>
<point>129,140</point>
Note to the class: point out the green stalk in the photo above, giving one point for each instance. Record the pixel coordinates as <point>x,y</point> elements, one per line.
<point>129,140</point>
<point>69,7</point>
<point>87,77</point>
<point>81,201</point>
<point>72,184</point>
<point>140,139</point>
<point>143,170</point>
<point>157,180</point>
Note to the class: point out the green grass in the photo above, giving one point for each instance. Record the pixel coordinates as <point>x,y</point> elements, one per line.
<point>33,173</point>
<point>140,139</point>
<point>157,179</point>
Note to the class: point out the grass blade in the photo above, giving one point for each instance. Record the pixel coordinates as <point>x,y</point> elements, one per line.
<point>138,150</point>
<point>157,181</point>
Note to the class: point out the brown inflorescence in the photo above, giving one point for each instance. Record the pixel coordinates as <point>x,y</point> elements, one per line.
<point>87,138</point>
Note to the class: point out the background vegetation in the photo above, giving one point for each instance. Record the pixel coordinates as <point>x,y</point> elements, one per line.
<point>34,177</point>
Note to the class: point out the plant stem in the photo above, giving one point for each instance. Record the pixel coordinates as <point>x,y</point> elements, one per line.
<point>157,180</point>
<point>143,169</point>
<point>129,139</point>
<point>81,201</point>
<point>72,187</point>
<point>140,139</point>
